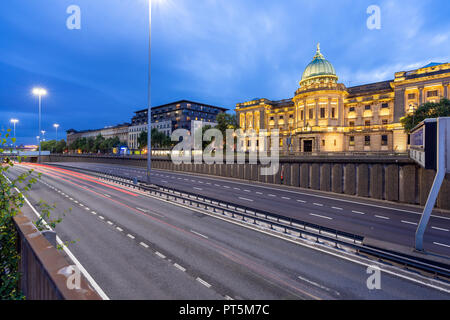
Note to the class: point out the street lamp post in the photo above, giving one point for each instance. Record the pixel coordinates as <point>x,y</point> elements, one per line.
<point>56,127</point>
<point>40,92</point>
<point>14,121</point>
<point>149,97</point>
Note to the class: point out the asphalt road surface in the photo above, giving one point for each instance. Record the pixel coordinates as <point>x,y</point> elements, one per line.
<point>393,223</point>
<point>139,247</point>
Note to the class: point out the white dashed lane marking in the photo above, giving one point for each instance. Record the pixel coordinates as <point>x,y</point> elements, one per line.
<point>130,236</point>
<point>319,216</point>
<point>246,199</point>
<point>318,204</point>
<point>440,229</point>
<point>176,265</point>
<point>336,208</point>
<point>160,255</point>
<point>358,212</point>
<point>441,244</point>
<point>409,222</point>
<point>144,245</point>
<point>203,282</point>
<point>199,234</point>
<point>382,217</point>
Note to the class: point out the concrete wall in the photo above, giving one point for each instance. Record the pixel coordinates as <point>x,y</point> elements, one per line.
<point>397,180</point>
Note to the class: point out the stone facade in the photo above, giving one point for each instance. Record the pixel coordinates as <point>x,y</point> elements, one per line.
<point>326,116</point>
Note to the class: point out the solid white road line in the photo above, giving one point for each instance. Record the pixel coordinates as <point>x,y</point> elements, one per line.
<point>88,277</point>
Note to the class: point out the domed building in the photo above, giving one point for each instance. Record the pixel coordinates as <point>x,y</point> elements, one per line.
<point>326,116</point>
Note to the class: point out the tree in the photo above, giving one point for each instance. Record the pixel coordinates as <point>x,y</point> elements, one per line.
<point>426,110</point>
<point>159,139</point>
<point>54,146</point>
<point>226,121</point>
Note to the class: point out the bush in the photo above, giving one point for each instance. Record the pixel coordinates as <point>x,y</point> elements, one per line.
<point>10,203</point>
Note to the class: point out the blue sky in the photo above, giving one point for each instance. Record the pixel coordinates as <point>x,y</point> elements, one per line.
<point>219,52</point>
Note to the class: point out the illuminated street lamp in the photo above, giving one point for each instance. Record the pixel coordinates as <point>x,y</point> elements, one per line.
<point>40,92</point>
<point>14,121</point>
<point>56,126</point>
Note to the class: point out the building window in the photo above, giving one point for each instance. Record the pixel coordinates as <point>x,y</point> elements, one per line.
<point>322,113</point>
<point>335,142</point>
<point>351,123</point>
<point>384,121</point>
<point>367,123</point>
<point>333,112</point>
<point>311,114</point>
<point>385,105</point>
<point>352,141</point>
<point>384,140</point>
<point>367,107</point>
<point>323,143</point>
<point>367,140</point>
<point>302,115</point>
<point>411,96</point>
<point>433,93</point>
<point>352,109</point>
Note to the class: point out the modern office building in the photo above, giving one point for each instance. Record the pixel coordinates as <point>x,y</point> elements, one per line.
<point>172,116</point>
<point>326,116</point>
<point>165,118</point>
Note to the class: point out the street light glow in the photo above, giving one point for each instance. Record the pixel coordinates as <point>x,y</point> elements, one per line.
<point>39,92</point>
<point>56,125</point>
<point>14,121</point>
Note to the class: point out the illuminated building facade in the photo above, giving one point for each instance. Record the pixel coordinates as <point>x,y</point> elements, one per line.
<point>326,116</point>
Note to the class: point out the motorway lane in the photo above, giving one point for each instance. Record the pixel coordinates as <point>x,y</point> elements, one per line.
<point>236,262</point>
<point>388,222</point>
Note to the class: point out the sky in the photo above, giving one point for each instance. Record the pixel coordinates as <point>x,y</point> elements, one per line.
<point>218,52</point>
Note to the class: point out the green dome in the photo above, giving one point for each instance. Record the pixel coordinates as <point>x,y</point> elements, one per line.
<point>318,67</point>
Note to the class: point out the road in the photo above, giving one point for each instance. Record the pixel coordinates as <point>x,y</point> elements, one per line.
<point>139,247</point>
<point>393,223</point>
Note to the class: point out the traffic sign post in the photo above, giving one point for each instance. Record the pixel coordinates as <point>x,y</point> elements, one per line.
<point>430,148</point>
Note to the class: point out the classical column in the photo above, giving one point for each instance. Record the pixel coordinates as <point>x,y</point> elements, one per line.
<point>340,112</point>
<point>304,112</point>
<point>445,84</point>
<point>420,95</point>
<point>329,110</point>
<point>316,115</point>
